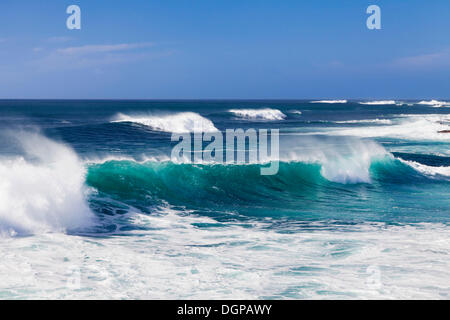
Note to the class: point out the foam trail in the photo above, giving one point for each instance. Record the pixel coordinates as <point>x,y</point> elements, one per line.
<point>177,260</point>
<point>259,114</point>
<point>178,123</point>
<point>42,191</point>
<point>330,101</point>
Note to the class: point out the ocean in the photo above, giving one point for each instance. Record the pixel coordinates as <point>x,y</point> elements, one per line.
<point>92,205</point>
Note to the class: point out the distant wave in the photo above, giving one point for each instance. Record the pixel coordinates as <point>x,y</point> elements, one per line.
<point>178,122</point>
<point>435,103</point>
<point>42,191</point>
<point>298,112</point>
<point>380,102</point>
<point>259,114</point>
<point>329,101</point>
<point>380,121</point>
<point>410,127</point>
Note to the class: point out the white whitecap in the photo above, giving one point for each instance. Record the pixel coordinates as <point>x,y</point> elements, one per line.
<point>428,170</point>
<point>434,103</point>
<point>178,122</point>
<point>329,101</point>
<point>266,114</point>
<point>379,121</point>
<point>380,102</point>
<point>410,127</point>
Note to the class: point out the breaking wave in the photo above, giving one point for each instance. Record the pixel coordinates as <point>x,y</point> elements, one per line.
<point>329,101</point>
<point>381,102</point>
<point>379,121</point>
<point>428,170</point>
<point>178,123</point>
<point>410,127</point>
<point>237,187</point>
<point>43,190</point>
<point>435,103</point>
<point>259,114</point>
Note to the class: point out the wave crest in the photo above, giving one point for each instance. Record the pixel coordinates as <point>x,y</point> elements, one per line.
<point>212,186</point>
<point>379,121</point>
<point>409,127</point>
<point>178,123</point>
<point>381,102</point>
<point>329,101</point>
<point>259,114</point>
<point>435,103</point>
<point>428,170</point>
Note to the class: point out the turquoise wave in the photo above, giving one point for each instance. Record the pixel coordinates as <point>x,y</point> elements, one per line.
<point>298,190</point>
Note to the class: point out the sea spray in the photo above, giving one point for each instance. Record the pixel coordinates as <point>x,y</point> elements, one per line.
<point>43,189</point>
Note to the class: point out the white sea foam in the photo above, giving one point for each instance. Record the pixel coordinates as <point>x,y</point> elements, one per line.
<point>43,190</point>
<point>174,259</point>
<point>178,122</point>
<point>329,101</point>
<point>380,102</point>
<point>298,112</point>
<point>265,114</point>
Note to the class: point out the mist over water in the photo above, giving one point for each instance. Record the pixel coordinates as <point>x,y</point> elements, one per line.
<point>43,189</point>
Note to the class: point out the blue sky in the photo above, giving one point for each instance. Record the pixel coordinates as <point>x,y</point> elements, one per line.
<point>213,49</point>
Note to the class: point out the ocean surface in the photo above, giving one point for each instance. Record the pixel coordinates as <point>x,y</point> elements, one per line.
<point>91,205</point>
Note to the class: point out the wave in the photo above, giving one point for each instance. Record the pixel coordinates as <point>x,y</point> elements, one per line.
<point>380,121</point>
<point>329,101</point>
<point>241,187</point>
<point>307,166</point>
<point>414,127</point>
<point>43,190</point>
<point>141,158</point>
<point>435,103</point>
<point>428,170</point>
<point>178,123</point>
<point>381,102</point>
<point>298,112</point>
<point>259,114</point>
